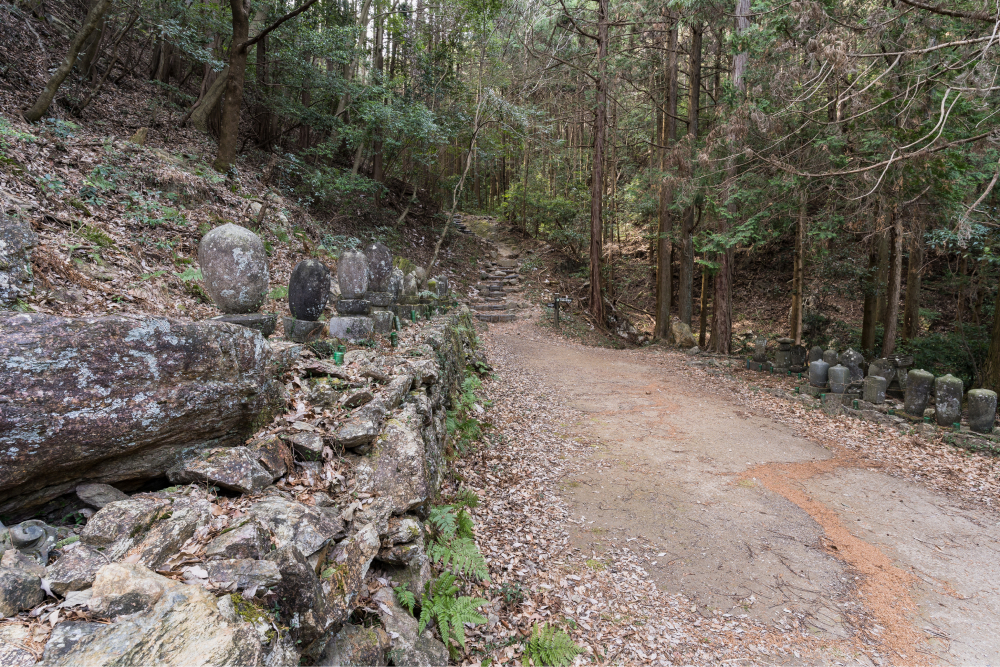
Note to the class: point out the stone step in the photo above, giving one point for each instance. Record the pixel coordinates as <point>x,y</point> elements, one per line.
<point>491,306</point>
<point>496,317</point>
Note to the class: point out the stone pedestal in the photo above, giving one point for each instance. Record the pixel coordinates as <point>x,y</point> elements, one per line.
<point>353,306</point>
<point>874,389</point>
<point>982,405</point>
<point>303,331</point>
<point>918,391</point>
<point>351,328</point>
<point>379,299</point>
<point>948,400</point>
<point>382,321</point>
<point>262,322</point>
<point>783,357</point>
<point>763,366</point>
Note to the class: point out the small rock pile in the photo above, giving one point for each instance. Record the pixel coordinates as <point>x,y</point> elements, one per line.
<point>502,277</point>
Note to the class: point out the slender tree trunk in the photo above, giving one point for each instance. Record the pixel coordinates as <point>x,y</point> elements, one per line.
<point>686,277</point>
<point>92,47</point>
<point>882,278</point>
<point>892,294</point>
<point>233,101</point>
<point>41,105</point>
<point>664,242</point>
<point>703,313</point>
<point>963,273</point>
<point>202,111</point>
<point>914,268</point>
<point>990,378</point>
<point>798,271</point>
<point>722,312</point>
<point>597,173</point>
<point>870,309</point>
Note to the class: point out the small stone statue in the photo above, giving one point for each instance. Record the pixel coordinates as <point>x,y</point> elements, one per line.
<point>948,400</point>
<point>918,391</point>
<point>818,373</point>
<point>815,353</point>
<point>839,377</point>
<point>874,389</point>
<point>982,410</point>
<point>831,357</point>
<point>853,360</point>
<point>760,350</point>
<point>235,271</point>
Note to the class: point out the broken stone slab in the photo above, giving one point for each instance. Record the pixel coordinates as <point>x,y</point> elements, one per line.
<point>383,321</point>
<point>410,648</point>
<point>247,539</point>
<point>308,445</point>
<point>108,399</point>
<point>303,331</point>
<point>406,562</point>
<point>121,525</point>
<point>362,427</point>
<point>273,454</point>
<point>263,323</point>
<point>13,638</point>
<point>232,468</point>
<point>19,590</point>
<point>99,495</point>
<point>402,530</point>
<point>75,569</point>
<point>159,621</point>
<point>17,239</point>
<point>243,573</point>
<point>344,572</point>
<point>234,268</point>
<point>170,530</point>
<point>300,598</point>
<point>356,645</point>
<point>358,398</point>
<point>292,524</point>
<point>394,474</point>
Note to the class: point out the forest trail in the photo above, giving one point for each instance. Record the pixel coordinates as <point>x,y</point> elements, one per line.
<point>748,517</point>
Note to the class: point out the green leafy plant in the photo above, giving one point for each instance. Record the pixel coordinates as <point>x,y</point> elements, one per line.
<point>462,425</point>
<point>405,597</point>
<point>279,292</point>
<point>189,274</point>
<point>551,646</point>
<point>442,604</point>
<point>454,544</point>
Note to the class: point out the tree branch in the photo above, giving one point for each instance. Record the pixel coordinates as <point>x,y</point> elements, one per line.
<point>940,9</point>
<point>263,33</point>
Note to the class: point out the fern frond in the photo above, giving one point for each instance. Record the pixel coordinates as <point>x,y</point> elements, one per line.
<point>468,498</point>
<point>426,614</point>
<point>462,556</point>
<point>405,597</point>
<point>463,524</point>
<point>461,611</point>
<point>551,647</point>
<point>443,518</point>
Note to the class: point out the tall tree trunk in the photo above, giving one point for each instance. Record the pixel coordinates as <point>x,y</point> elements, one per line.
<point>233,101</point>
<point>92,47</point>
<point>892,293</point>
<point>41,105</point>
<point>686,278</point>
<point>990,378</point>
<point>664,242</point>
<point>722,312</point>
<point>914,268</point>
<point>963,278</point>
<point>882,277</point>
<point>703,312</point>
<point>869,288</point>
<point>263,109</point>
<point>597,173</point>
<point>799,271</point>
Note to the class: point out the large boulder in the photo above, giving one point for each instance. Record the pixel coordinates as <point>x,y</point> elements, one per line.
<point>157,621</point>
<point>356,645</point>
<point>16,241</point>
<point>680,334</point>
<point>234,267</point>
<point>109,399</point>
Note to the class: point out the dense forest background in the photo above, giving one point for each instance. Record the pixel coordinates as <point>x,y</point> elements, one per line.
<point>813,169</point>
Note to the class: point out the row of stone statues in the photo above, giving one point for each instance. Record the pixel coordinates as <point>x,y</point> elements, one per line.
<point>373,292</point>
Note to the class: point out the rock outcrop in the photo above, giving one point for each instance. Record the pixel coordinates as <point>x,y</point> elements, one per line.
<point>16,241</point>
<point>110,399</point>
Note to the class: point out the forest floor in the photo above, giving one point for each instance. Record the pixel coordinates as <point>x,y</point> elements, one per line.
<point>666,511</point>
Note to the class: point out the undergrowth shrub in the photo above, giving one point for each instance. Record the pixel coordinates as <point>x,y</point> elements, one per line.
<point>551,646</point>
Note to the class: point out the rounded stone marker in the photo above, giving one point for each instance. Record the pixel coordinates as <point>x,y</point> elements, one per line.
<point>396,283</point>
<point>421,274</point>
<point>352,274</point>
<point>411,284</point>
<point>308,290</point>
<point>948,400</point>
<point>379,267</point>
<point>815,354</point>
<point>831,357</point>
<point>840,377</point>
<point>818,373</point>
<point>918,391</point>
<point>982,410</point>
<point>874,389</point>
<point>234,268</point>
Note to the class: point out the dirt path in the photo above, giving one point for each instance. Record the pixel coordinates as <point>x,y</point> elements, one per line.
<point>745,515</point>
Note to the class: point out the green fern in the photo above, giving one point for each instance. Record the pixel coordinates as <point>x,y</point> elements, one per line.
<point>467,498</point>
<point>461,556</point>
<point>442,604</point>
<point>405,597</point>
<point>551,647</point>
<point>444,521</point>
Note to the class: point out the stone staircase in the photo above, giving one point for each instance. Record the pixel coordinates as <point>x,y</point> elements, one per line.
<point>461,226</point>
<point>500,279</point>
